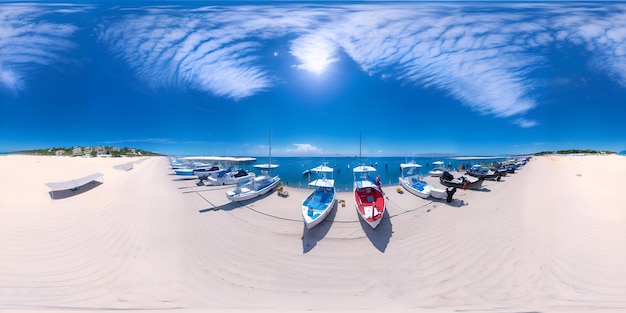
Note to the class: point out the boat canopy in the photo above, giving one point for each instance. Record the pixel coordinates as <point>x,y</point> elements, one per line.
<point>322,168</point>
<point>322,183</point>
<point>74,183</point>
<point>363,169</point>
<point>408,165</point>
<point>218,159</point>
<point>266,166</point>
<point>365,184</point>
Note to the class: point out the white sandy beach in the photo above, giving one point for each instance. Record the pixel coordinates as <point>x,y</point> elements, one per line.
<point>549,238</point>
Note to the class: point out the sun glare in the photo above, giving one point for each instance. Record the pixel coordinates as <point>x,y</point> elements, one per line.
<point>315,55</point>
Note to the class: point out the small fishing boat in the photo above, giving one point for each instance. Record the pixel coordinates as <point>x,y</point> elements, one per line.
<point>411,180</point>
<point>462,182</point>
<point>322,200</point>
<point>368,197</point>
<point>203,172</point>
<point>437,169</point>
<point>255,187</point>
<point>479,171</point>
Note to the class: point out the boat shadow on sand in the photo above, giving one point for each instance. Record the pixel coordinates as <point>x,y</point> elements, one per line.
<point>380,236</point>
<point>229,206</point>
<point>310,237</point>
<point>62,194</point>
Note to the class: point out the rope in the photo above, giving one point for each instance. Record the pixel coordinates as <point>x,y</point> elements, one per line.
<point>300,221</point>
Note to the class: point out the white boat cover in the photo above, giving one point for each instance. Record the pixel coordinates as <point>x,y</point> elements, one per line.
<point>74,183</point>
<point>363,168</point>
<point>323,169</point>
<point>322,183</point>
<point>218,159</point>
<point>365,184</point>
<point>407,165</point>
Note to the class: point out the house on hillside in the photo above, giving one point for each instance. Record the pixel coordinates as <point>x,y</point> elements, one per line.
<point>59,152</point>
<point>78,151</point>
<point>100,150</point>
<point>87,151</point>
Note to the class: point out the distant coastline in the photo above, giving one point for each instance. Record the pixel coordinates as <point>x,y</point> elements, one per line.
<point>87,151</point>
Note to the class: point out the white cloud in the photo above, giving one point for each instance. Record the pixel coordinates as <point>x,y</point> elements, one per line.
<point>315,52</point>
<point>28,41</point>
<point>485,57</point>
<point>303,148</point>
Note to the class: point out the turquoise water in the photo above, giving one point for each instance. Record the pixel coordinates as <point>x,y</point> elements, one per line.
<point>290,168</point>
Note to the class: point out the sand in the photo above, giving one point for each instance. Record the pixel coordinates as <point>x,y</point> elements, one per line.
<point>549,238</point>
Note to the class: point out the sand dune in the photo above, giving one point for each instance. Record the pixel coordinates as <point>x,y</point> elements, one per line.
<point>548,238</point>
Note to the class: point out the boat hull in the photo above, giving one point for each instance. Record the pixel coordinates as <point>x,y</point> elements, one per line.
<point>424,193</point>
<point>370,205</point>
<point>250,193</point>
<point>461,182</point>
<point>316,207</point>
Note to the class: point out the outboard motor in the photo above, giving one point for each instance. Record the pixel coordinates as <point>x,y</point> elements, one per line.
<point>450,193</point>
<point>447,176</point>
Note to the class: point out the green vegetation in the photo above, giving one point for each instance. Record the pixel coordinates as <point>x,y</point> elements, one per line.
<point>95,151</point>
<point>574,151</point>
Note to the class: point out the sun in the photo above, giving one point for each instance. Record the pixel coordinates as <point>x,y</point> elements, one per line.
<point>314,54</point>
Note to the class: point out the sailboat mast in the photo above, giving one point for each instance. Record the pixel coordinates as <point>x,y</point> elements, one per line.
<point>269,167</point>
<point>360,143</point>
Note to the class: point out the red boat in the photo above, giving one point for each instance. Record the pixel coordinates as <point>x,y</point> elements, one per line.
<point>368,197</point>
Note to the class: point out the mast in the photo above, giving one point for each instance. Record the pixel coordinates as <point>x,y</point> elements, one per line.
<point>360,143</point>
<point>269,167</point>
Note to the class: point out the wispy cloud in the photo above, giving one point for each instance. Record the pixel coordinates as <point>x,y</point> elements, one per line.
<point>28,41</point>
<point>487,56</point>
<point>160,141</point>
<point>303,149</point>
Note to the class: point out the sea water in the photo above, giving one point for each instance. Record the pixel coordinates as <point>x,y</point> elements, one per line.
<point>290,169</point>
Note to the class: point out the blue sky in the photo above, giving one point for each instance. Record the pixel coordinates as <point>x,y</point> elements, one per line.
<point>414,77</point>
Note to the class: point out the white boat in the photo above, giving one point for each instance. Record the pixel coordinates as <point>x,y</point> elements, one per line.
<point>255,187</point>
<point>188,168</point>
<point>322,200</point>
<point>438,193</point>
<point>266,166</point>
<point>230,176</point>
<point>204,172</point>
<point>411,180</point>
<point>437,170</point>
<point>368,197</point>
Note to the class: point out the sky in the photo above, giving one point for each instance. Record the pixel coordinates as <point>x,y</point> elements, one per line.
<point>226,78</point>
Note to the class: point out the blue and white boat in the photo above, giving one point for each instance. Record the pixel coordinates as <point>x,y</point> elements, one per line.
<point>437,169</point>
<point>204,172</point>
<point>188,168</point>
<point>230,176</point>
<point>411,180</point>
<point>255,187</point>
<point>322,200</point>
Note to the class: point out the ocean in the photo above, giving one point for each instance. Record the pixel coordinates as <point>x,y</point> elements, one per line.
<point>290,169</point>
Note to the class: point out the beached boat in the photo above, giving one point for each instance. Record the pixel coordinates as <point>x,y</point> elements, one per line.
<point>368,197</point>
<point>188,168</point>
<point>479,171</point>
<point>411,180</point>
<point>255,187</point>
<point>437,169</point>
<point>322,200</point>
<point>204,172</point>
<point>462,182</point>
<point>265,166</point>
<point>230,177</point>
